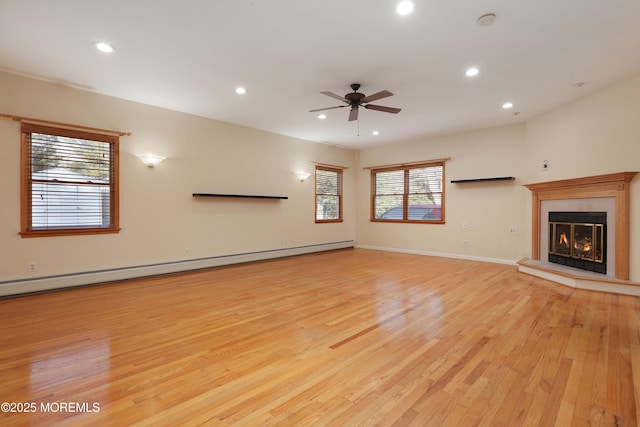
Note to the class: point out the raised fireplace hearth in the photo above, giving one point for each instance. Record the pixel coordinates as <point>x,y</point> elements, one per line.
<point>578,240</point>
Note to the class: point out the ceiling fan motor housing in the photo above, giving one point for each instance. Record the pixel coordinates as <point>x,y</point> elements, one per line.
<point>354,98</point>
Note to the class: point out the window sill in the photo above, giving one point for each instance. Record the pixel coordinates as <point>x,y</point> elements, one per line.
<point>400,221</point>
<point>68,232</point>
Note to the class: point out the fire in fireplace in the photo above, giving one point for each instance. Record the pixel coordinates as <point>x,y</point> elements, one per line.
<point>579,240</point>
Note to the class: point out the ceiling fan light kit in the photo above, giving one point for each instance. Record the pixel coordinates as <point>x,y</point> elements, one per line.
<point>355,100</point>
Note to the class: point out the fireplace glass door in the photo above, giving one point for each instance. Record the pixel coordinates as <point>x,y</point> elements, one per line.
<point>578,239</point>
<point>581,241</point>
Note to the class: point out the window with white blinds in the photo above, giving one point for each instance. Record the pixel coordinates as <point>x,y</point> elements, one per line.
<point>70,182</point>
<point>328,194</point>
<point>408,193</point>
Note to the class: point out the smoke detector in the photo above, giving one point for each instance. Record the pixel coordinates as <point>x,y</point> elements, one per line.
<point>486,19</point>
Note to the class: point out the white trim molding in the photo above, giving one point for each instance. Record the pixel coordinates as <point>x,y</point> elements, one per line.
<point>439,254</point>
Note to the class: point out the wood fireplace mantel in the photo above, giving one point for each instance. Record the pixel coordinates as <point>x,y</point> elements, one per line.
<point>614,185</point>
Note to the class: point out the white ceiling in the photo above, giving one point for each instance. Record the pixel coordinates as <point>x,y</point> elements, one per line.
<point>189,55</point>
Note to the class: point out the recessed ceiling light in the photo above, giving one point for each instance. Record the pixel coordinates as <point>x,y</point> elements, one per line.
<point>507,105</point>
<point>104,47</point>
<point>375,132</point>
<point>404,8</point>
<point>579,84</point>
<point>322,116</point>
<point>473,71</point>
<point>241,90</point>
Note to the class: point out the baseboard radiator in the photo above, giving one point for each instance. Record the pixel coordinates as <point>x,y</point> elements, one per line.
<point>44,284</point>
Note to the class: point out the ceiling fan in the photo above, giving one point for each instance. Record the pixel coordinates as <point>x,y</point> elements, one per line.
<point>357,99</point>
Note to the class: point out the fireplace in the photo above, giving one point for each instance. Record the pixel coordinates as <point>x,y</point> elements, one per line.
<point>579,240</point>
<point>615,187</point>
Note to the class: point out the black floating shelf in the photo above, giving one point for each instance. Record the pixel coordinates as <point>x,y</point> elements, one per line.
<point>239,196</point>
<point>501,178</point>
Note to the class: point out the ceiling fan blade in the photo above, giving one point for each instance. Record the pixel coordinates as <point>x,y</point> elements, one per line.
<point>353,114</point>
<point>375,96</point>
<point>328,108</point>
<point>383,108</point>
<point>333,95</point>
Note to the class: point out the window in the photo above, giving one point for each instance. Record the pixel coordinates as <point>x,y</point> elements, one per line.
<point>328,194</point>
<point>69,182</point>
<point>408,193</point>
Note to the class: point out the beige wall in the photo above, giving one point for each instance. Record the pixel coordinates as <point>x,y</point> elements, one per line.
<point>597,134</point>
<point>158,215</point>
<point>488,209</point>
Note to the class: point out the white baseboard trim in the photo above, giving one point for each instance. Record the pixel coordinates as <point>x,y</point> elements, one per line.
<point>440,254</point>
<point>42,284</point>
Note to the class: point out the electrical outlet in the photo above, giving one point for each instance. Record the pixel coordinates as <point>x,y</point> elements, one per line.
<point>187,251</point>
<point>513,229</point>
<point>465,243</point>
<point>465,225</point>
<point>32,266</point>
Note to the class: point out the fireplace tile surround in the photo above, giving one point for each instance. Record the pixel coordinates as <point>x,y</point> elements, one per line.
<point>609,193</point>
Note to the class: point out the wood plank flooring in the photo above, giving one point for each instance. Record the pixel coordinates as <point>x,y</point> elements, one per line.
<point>345,338</point>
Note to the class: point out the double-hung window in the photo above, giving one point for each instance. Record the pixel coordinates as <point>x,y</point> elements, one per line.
<point>411,193</point>
<point>69,182</point>
<point>328,194</point>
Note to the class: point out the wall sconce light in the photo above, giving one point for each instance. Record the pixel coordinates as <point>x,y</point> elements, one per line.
<point>302,176</point>
<point>151,161</point>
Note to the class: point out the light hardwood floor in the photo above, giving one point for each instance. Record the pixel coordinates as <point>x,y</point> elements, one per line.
<point>351,337</point>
